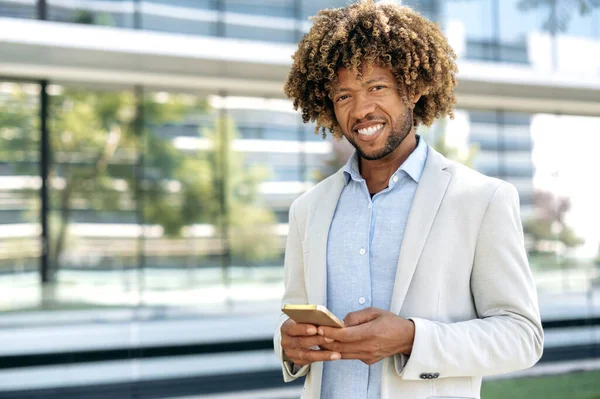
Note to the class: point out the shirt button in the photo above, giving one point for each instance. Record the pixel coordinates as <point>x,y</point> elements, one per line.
<point>395,178</point>
<point>362,251</point>
<point>361,300</point>
<point>370,205</point>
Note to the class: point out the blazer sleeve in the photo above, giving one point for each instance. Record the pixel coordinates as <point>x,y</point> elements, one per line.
<point>507,335</point>
<point>295,293</point>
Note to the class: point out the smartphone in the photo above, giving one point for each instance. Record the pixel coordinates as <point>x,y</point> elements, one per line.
<point>317,315</point>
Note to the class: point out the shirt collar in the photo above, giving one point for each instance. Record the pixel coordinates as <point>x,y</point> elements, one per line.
<point>413,166</point>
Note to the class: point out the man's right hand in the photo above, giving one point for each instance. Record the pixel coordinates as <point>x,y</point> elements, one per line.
<point>297,339</point>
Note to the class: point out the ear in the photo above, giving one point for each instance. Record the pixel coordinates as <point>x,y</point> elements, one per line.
<point>416,98</point>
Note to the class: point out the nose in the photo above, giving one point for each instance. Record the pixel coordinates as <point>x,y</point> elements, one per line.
<point>362,106</point>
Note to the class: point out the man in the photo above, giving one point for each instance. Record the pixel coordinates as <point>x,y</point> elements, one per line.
<point>422,257</point>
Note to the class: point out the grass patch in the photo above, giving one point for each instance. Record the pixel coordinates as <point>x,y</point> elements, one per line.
<point>577,385</point>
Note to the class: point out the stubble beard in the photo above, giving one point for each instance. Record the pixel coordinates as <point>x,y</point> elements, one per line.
<point>398,133</point>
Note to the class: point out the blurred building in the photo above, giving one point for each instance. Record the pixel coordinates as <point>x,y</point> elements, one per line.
<point>99,171</point>
<point>513,63</point>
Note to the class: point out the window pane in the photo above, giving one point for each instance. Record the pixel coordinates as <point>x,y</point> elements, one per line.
<point>596,23</point>
<point>265,33</point>
<point>273,8</point>
<point>93,223</point>
<point>183,247</point>
<point>117,13</point>
<point>12,9</point>
<point>181,16</point>
<point>574,23</point>
<point>429,8</point>
<point>312,7</point>
<point>516,23</point>
<point>471,23</point>
<point>503,142</point>
<point>20,184</point>
<point>555,176</point>
<point>270,172</point>
<point>563,232</point>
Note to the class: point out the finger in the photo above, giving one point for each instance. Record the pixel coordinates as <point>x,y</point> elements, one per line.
<point>346,347</point>
<point>348,334</point>
<point>286,326</point>
<point>303,342</point>
<point>363,357</point>
<point>329,332</point>
<point>298,330</point>
<point>305,356</point>
<point>361,316</point>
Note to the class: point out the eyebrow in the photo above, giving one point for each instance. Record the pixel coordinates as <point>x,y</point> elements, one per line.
<point>368,82</point>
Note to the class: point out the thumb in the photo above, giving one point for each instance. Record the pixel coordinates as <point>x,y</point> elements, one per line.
<point>361,316</point>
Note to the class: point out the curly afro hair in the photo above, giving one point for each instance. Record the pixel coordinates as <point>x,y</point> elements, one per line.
<point>367,34</point>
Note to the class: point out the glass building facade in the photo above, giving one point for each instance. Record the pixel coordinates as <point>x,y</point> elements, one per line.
<point>143,217</point>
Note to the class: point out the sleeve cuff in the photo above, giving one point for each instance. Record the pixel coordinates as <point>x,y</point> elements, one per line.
<point>400,362</point>
<point>411,367</point>
<point>293,371</point>
<point>290,370</point>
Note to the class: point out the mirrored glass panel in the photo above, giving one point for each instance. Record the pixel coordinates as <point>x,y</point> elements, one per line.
<point>20,182</point>
<point>18,9</point>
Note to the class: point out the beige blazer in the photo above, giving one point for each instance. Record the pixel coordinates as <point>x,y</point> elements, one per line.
<point>462,277</point>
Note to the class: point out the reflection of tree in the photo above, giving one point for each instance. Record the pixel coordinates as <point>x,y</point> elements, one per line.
<point>236,210</point>
<point>97,139</point>
<point>549,225</point>
<point>19,143</point>
<point>86,17</point>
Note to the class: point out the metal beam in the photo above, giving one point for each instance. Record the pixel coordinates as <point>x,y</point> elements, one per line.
<point>44,171</point>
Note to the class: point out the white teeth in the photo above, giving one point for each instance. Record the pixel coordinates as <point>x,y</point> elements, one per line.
<point>371,130</point>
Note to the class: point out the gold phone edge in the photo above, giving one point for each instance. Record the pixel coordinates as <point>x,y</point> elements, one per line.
<point>299,307</point>
<point>313,307</point>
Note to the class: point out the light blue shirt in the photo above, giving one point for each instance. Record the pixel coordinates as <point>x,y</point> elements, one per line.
<point>362,257</point>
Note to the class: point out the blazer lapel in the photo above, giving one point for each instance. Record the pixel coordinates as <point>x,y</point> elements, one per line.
<point>428,197</point>
<point>325,206</point>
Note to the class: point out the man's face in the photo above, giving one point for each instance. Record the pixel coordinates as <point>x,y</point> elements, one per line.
<point>374,116</point>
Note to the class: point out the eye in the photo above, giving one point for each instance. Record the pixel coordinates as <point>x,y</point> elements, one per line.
<point>341,98</point>
<point>378,88</point>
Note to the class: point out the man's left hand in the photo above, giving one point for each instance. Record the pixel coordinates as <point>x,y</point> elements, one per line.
<point>370,335</point>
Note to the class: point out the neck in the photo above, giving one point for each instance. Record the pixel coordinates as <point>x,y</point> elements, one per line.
<point>377,173</point>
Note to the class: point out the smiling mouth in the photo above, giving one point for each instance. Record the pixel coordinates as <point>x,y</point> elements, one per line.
<point>370,130</point>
